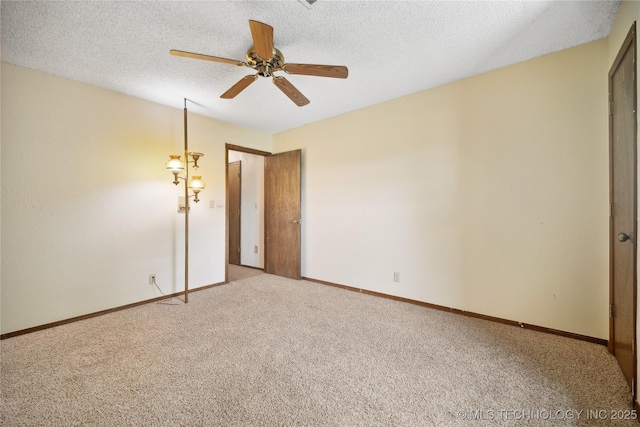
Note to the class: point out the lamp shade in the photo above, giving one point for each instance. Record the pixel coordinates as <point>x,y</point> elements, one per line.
<point>196,183</point>
<point>174,163</point>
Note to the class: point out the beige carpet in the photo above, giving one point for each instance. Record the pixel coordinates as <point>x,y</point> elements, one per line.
<point>239,272</point>
<point>268,351</point>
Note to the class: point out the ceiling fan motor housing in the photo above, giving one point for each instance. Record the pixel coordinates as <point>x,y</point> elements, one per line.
<point>264,67</point>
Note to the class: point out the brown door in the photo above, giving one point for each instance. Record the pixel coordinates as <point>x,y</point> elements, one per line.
<point>282,214</point>
<point>235,183</point>
<point>623,232</point>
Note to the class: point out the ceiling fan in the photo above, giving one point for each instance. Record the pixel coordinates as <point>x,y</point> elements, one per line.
<point>266,60</point>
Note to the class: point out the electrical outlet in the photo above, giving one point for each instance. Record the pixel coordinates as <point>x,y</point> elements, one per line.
<point>152,279</point>
<point>255,249</point>
<point>396,276</point>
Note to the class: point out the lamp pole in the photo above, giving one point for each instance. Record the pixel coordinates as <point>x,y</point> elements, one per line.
<point>196,184</point>
<point>186,207</point>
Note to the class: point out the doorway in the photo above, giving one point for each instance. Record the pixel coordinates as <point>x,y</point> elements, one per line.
<point>279,252</point>
<point>245,212</point>
<point>623,209</point>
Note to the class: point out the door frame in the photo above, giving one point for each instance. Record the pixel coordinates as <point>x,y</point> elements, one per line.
<point>231,147</point>
<point>630,39</point>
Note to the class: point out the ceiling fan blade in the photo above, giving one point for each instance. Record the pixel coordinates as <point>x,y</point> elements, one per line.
<point>239,87</point>
<point>336,71</point>
<point>290,90</point>
<point>205,57</point>
<point>262,39</point>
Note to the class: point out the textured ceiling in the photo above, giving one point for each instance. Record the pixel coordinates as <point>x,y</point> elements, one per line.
<point>392,48</point>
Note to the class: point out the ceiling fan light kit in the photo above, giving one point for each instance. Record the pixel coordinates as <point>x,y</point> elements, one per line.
<point>265,59</point>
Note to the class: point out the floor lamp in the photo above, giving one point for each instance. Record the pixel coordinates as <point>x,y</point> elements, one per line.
<point>195,184</point>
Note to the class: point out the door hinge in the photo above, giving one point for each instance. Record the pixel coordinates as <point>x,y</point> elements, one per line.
<point>611,210</point>
<point>611,108</point>
<point>611,311</point>
<point>238,249</point>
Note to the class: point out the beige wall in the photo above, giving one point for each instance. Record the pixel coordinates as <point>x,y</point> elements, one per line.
<point>489,194</point>
<point>88,210</point>
<point>628,13</point>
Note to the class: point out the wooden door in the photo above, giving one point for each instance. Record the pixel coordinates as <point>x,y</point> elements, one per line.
<point>235,186</point>
<point>623,228</point>
<point>282,214</point>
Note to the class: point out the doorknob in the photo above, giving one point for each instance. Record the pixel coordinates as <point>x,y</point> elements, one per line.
<point>297,221</point>
<point>623,237</point>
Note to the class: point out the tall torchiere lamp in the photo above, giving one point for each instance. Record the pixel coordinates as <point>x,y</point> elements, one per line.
<point>195,184</point>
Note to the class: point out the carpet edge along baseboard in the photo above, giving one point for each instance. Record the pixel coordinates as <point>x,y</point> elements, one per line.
<point>467,313</point>
<point>101,312</point>
<point>323,282</point>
